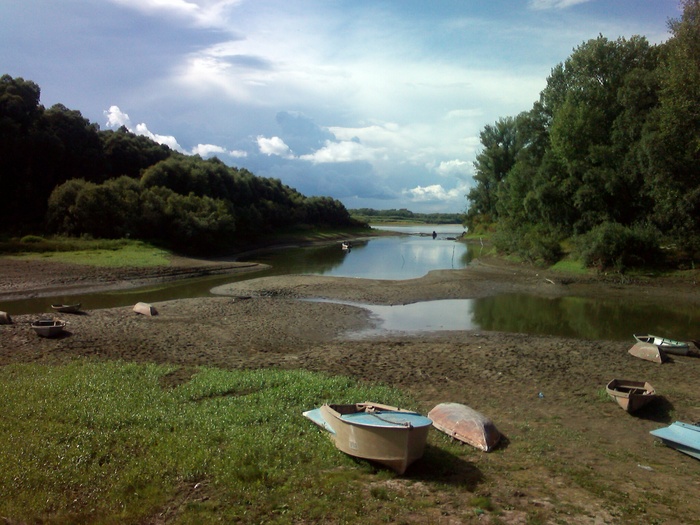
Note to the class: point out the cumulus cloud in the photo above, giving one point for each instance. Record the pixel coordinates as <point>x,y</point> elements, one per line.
<point>346,151</point>
<point>204,13</point>
<point>436,193</point>
<point>454,167</point>
<point>274,146</point>
<point>116,118</point>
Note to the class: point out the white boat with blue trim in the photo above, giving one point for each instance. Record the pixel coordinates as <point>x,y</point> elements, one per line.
<point>385,434</point>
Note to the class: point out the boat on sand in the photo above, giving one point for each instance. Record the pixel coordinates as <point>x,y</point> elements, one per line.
<point>145,309</point>
<point>649,352</point>
<point>670,346</point>
<point>388,435</point>
<point>48,327</point>
<point>630,395</point>
<point>465,424</point>
<point>66,308</point>
<point>684,437</point>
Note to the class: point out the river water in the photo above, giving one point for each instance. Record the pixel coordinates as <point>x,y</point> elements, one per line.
<point>413,254</point>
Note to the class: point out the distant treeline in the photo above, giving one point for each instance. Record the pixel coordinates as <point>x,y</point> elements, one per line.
<point>61,174</point>
<point>608,157</point>
<point>369,215</point>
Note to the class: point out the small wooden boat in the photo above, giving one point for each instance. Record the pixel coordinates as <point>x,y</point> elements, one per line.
<point>345,246</point>
<point>670,346</point>
<point>387,435</point>
<point>649,352</point>
<point>684,437</point>
<point>630,395</point>
<point>5,318</point>
<point>66,308</point>
<point>465,424</point>
<point>145,309</point>
<point>48,327</point>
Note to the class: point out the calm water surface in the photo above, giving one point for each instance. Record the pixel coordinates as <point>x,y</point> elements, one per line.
<point>411,256</point>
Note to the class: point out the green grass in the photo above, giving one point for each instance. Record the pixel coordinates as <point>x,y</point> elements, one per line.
<point>95,252</point>
<point>111,442</point>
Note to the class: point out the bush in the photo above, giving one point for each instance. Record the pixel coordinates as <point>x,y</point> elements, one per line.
<point>535,244</point>
<point>614,246</point>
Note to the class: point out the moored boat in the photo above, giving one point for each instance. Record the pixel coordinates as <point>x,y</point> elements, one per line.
<point>388,435</point>
<point>630,395</point>
<point>684,437</point>
<point>670,346</point>
<point>66,308</point>
<point>649,352</point>
<point>465,424</point>
<point>48,327</point>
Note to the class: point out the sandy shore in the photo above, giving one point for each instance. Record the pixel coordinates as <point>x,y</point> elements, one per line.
<point>568,456</point>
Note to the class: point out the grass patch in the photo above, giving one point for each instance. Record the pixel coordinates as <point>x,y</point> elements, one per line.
<point>94,252</point>
<point>111,442</point>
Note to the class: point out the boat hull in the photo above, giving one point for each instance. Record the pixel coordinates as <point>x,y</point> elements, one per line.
<point>145,309</point>
<point>684,437</point>
<point>66,308</point>
<point>388,435</point>
<point>49,328</point>
<point>630,395</point>
<point>649,352</point>
<point>670,346</point>
<point>465,424</point>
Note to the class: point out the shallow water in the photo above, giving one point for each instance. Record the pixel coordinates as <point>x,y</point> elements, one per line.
<point>410,256</point>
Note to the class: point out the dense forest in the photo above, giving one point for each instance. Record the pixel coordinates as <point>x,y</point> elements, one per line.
<point>61,174</point>
<point>371,215</point>
<point>607,160</point>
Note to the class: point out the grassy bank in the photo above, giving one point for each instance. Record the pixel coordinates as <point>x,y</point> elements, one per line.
<point>112,442</point>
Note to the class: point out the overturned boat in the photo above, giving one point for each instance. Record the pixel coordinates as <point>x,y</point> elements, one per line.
<point>465,424</point>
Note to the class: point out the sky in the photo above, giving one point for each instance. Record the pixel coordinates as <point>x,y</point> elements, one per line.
<point>376,103</point>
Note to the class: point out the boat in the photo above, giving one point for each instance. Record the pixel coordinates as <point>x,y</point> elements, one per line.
<point>388,435</point>
<point>649,352</point>
<point>66,308</point>
<point>465,424</point>
<point>630,395</point>
<point>346,245</point>
<point>5,318</point>
<point>48,327</point>
<point>684,437</point>
<point>670,346</point>
<point>145,309</point>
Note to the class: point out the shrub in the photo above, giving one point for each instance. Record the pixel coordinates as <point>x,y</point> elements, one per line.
<point>614,246</point>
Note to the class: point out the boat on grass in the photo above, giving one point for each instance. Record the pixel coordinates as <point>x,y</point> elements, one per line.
<point>684,437</point>
<point>630,395</point>
<point>649,352</point>
<point>66,308</point>
<point>465,424</point>
<point>670,346</point>
<point>48,327</point>
<point>388,435</point>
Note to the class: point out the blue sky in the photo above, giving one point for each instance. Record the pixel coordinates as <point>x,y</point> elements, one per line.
<point>376,103</point>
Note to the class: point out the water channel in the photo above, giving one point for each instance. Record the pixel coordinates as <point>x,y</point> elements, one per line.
<point>411,255</point>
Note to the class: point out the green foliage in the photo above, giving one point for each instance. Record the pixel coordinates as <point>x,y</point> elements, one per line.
<point>532,243</point>
<point>117,443</point>
<point>617,247</point>
<point>614,139</point>
<point>403,215</point>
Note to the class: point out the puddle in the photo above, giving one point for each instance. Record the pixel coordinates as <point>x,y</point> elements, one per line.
<point>425,316</point>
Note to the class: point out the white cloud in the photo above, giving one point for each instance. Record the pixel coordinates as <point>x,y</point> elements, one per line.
<point>204,13</point>
<point>116,118</point>
<point>346,151</point>
<point>207,150</point>
<point>274,146</point>
<point>454,167</point>
<point>168,140</point>
<point>555,4</point>
<point>435,192</point>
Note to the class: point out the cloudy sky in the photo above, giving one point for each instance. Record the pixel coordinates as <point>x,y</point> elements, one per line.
<point>378,103</point>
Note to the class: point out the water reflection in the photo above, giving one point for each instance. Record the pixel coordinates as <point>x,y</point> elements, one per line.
<point>575,317</point>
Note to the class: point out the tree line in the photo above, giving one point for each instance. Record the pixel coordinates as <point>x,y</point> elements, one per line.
<point>61,174</point>
<point>405,215</point>
<point>608,158</point>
